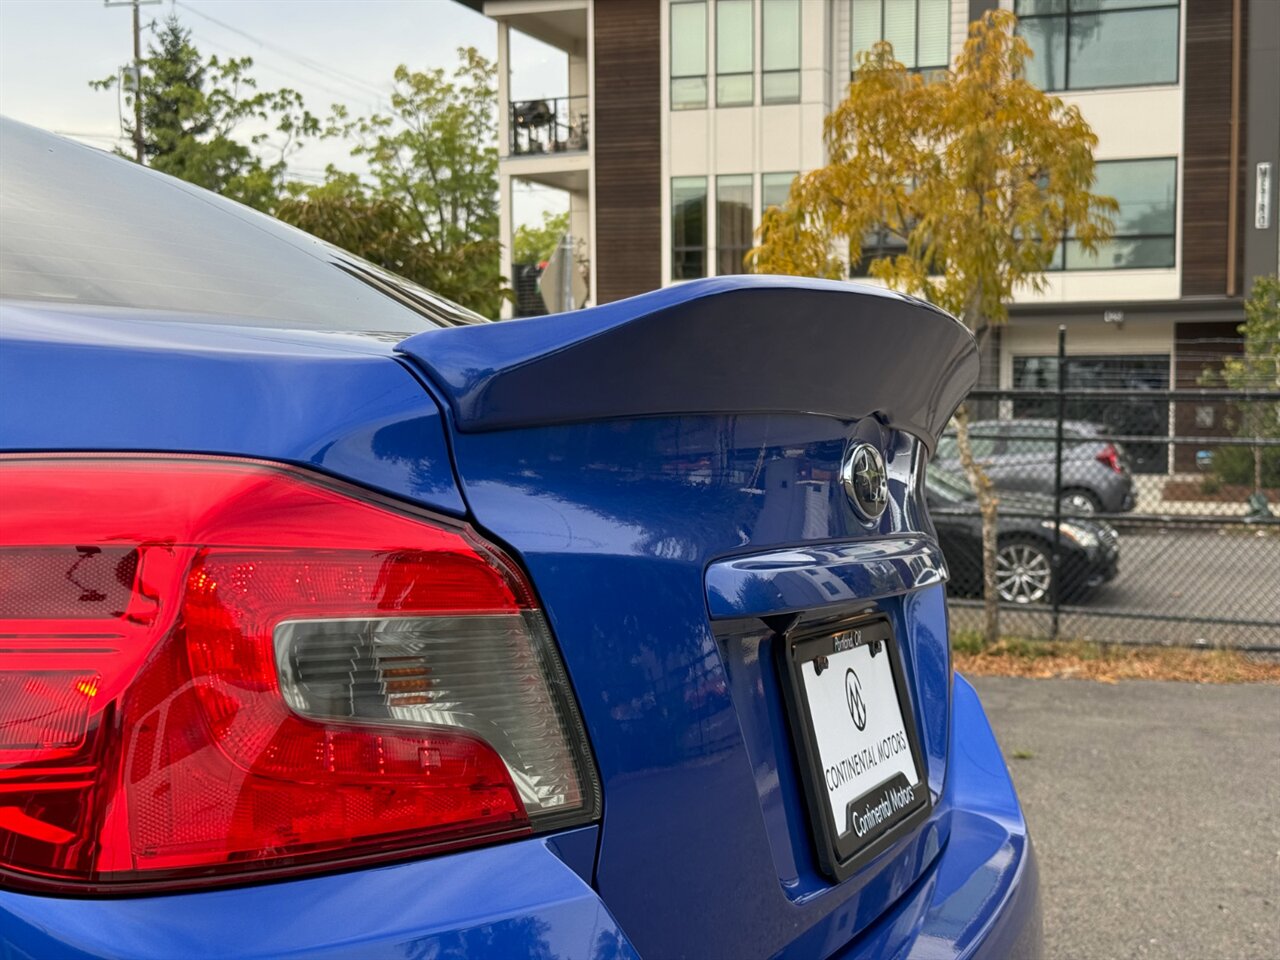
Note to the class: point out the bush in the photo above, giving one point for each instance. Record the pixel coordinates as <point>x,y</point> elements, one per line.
<point>1234,465</point>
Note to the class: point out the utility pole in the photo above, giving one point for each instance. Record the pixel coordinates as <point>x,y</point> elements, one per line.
<point>137,68</point>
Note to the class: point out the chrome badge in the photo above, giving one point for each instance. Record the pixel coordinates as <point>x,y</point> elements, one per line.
<point>865,481</point>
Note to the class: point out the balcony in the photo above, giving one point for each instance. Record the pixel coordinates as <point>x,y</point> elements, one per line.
<point>540,127</point>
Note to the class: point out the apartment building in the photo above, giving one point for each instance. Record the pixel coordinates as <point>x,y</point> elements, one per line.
<point>686,118</point>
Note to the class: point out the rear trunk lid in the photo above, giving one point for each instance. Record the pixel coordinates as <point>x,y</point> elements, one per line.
<point>668,469</point>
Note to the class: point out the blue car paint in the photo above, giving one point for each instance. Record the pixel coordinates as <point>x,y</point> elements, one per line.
<point>979,899</point>
<point>111,380</point>
<point>756,689</point>
<point>982,896</point>
<point>600,514</point>
<point>801,578</point>
<point>512,900</point>
<point>617,542</point>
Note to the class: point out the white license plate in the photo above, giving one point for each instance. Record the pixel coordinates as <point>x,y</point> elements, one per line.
<point>858,741</point>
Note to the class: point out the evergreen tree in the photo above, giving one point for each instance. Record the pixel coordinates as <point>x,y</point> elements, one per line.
<point>195,114</point>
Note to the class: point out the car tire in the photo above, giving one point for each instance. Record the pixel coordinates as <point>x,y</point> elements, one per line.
<point>1076,502</point>
<point>1024,571</point>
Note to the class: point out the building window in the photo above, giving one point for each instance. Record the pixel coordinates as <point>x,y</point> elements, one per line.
<point>780,53</point>
<point>1146,226</point>
<point>1131,417</point>
<point>1086,44</point>
<point>734,222</point>
<point>688,227</point>
<point>688,55</point>
<point>775,188</point>
<point>735,54</point>
<point>879,244</point>
<point>920,30</point>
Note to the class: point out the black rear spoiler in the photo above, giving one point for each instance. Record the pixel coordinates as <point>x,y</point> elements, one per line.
<point>725,345</point>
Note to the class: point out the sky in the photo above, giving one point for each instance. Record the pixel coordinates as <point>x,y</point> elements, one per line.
<point>331,51</point>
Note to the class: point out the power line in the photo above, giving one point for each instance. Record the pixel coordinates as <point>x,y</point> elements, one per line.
<point>332,91</point>
<point>325,69</point>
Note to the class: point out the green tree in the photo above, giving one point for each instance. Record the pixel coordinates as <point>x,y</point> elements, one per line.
<point>349,214</point>
<point>534,244</point>
<point>193,116</point>
<point>1258,368</point>
<point>978,176</point>
<point>433,181</point>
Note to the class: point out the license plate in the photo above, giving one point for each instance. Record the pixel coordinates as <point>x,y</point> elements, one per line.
<point>860,756</point>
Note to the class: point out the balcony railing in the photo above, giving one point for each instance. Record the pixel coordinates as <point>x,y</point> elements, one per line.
<point>557,125</point>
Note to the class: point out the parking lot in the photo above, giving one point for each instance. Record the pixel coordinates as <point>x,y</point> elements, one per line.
<point>1154,811</point>
<point>1190,577</point>
<point>1225,573</point>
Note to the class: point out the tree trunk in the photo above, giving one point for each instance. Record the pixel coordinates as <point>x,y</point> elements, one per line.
<point>987,503</point>
<point>1254,423</point>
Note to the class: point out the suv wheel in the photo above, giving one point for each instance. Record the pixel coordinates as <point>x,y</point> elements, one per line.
<point>1079,501</point>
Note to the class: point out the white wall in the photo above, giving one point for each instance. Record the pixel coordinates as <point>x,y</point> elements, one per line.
<point>1130,123</point>
<point>959,26</point>
<point>1039,338</point>
<point>778,138</point>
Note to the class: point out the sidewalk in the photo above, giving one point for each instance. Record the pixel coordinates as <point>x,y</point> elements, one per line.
<point>1151,500</point>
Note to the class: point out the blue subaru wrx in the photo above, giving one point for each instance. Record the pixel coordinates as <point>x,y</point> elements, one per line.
<point>338,622</point>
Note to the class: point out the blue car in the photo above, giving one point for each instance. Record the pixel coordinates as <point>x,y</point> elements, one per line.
<point>338,622</point>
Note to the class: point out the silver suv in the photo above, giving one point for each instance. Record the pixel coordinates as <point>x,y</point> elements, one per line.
<point>1018,457</point>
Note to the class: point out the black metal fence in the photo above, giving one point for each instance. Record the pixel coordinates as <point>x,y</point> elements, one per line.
<point>1133,516</point>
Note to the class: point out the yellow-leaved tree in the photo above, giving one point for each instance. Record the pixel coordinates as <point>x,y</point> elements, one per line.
<point>972,177</point>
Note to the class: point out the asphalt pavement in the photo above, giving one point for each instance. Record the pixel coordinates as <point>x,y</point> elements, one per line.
<point>1232,572</point>
<point>1155,810</point>
<point>1231,575</point>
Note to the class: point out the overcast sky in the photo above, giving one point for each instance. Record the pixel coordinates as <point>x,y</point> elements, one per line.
<point>330,50</point>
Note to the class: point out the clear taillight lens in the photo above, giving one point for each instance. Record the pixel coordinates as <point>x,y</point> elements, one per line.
<point>484,674</point>
<point>212,667</point>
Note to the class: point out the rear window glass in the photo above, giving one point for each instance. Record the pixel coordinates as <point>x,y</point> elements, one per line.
<point>81,226</point>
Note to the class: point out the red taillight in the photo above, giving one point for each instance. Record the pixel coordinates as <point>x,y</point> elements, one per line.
<point>1110,457</point>
<point>213,667</point>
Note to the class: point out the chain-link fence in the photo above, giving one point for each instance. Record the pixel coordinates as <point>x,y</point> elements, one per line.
<point>1133,515</point>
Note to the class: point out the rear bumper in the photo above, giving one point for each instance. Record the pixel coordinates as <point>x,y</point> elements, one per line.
<point>980,898</point>
<point>1120,496</point>
<point>514,900</point>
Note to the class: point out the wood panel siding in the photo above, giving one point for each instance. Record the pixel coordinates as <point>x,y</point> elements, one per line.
<point>627,143</point>
<point>1206,151</point>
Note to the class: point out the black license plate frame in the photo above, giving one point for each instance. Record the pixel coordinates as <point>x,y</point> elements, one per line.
<point>841,852</point>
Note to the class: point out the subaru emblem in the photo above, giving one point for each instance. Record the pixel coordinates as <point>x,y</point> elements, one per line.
<point>865,481</point>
